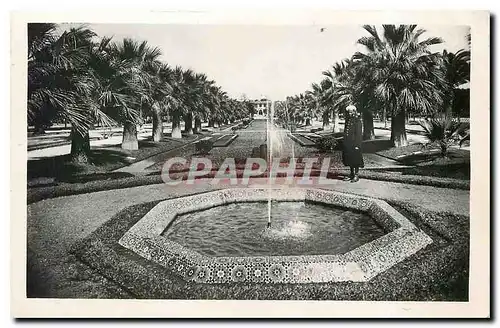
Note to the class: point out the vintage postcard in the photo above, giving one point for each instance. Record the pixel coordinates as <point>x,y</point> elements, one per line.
<point>250,163</point>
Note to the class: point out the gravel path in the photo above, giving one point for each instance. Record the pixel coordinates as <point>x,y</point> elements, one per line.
<point>253,136</point>
<point>239,149</point>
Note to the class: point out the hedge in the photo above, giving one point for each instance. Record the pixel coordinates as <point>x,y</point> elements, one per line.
<point>39,193</point>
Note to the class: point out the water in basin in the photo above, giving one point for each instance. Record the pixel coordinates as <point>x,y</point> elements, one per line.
<point>297,228</point>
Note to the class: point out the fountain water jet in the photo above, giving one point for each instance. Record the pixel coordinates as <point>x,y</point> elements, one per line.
<point>293,229</point>
<point>275,140</point>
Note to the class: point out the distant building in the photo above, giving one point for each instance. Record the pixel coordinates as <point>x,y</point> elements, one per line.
<point>262,107</point>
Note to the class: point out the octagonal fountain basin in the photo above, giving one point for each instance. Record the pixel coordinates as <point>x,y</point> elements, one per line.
<point>315,236</point>
<point>297,228</point>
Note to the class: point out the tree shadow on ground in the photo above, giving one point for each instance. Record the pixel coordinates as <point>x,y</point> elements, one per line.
<point>453,156</point>
<point>61,168</point>
<point>455,165</point>
<point>376,145</point>
<point>102,161</point>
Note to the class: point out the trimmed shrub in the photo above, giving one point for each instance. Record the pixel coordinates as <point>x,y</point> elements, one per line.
<point>255,152</point>
<point>246,121</point>
<point>327,144</point>
<point>204,146</point>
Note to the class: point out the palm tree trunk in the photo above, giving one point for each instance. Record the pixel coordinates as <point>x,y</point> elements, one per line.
<point>326,119</point>
<point>80,147</point>
<point>157,126</point>
<point>197,125</point>
<point>188,123</point>
<point>176,126</point>
<point>210,123</point>
<point>444,149</point>
<point>398,129</point>
<point>384,117</point>
<point>335,121</point>
<point>129,141</point>
<point>368,128</point>
<point>39,129</point>
<point>308,121</point>
<point>448,102</point>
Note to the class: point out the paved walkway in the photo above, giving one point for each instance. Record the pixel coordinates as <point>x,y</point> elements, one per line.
<point>58,222</point>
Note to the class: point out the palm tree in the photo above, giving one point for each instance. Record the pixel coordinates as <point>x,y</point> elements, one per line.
<point>302,108</point>
<point>317,94</point>
<point>86,86</point>
<point>114,82</point>
<point>74,78</point>
<point>221,113</point>
<point>365,82</point>
<point>328,109</point>
<point>60,83</point>
<point>201,112</point>
<point>339,89</point>
<point>405,73</point>
<point>456,67</point>
<point>161,96</point>
<point>444,132</point>
<point>195,104</point>
<point>247,109</point>
<point>132,59</point>
<point>190,99</point>
<point>51,89</point>
<point>181,94</point>
<point>348,83</point>
<point>216,105</point>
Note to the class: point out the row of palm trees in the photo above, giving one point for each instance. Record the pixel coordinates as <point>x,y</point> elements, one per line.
<point>79,78</point>
<point>397,74</point>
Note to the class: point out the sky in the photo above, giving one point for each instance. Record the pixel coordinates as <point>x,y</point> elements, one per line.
<point>258,60</point>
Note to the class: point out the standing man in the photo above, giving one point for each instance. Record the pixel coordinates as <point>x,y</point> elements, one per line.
<point>353,135</point>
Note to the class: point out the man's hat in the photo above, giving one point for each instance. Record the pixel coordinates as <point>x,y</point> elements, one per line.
<point>351,107</point>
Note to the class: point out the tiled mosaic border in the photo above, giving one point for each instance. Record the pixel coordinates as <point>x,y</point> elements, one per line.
<point>361,264</point>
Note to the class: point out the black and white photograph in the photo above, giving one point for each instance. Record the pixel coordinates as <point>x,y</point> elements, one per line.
<point>327,160</point>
